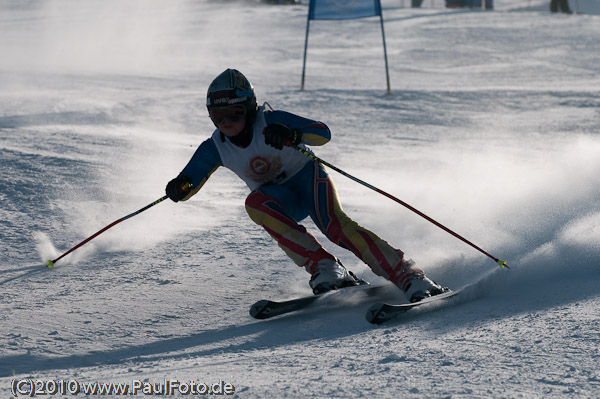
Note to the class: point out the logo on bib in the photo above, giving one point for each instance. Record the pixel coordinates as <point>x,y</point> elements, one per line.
<point>263,169</point>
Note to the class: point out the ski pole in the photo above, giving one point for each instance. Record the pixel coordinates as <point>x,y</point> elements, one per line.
<point>50,263</point>
<point>501,263</point>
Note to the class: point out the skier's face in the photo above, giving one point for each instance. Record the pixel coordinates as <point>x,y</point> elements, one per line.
<point>229,120</point>
<point>232,129</point>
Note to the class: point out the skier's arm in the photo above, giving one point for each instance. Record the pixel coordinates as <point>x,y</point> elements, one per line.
<point>311,132</point>
<point>203,163</point>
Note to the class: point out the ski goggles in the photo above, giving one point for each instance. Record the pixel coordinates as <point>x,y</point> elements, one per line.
<point>232,114</point>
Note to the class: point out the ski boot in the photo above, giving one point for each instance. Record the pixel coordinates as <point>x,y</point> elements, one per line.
<point>330,275</point>
<point>422,287</point>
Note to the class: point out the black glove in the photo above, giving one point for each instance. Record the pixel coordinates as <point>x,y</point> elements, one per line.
<point>179,187</point>
<point>277,135</point>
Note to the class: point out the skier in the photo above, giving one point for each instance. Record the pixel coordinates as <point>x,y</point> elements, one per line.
<point>257,143</point>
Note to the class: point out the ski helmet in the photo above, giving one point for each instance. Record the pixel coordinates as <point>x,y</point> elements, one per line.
<point>231,88</point>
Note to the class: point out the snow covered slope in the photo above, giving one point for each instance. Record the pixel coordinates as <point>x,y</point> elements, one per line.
<point>492,129</point>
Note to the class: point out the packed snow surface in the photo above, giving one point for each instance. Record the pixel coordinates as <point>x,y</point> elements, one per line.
<point>491,129</point>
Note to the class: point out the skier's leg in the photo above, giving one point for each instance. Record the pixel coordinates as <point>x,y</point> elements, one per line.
<point>301,246</point>
<point>267,211</point>
<point>380,256</point>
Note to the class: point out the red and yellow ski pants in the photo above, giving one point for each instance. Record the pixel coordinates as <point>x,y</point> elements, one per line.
<point>279,207</point>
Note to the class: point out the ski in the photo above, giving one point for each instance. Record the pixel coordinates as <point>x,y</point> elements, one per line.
<point>382,312</point>
<point>265,309</point>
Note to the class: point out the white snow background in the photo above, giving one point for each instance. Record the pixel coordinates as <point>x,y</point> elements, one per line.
<point>492,129</point>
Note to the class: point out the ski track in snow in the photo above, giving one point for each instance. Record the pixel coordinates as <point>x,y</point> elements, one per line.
<point>492,129</point>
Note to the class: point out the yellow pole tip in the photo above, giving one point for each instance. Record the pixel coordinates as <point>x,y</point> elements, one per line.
<point>503,264</point>
<point>50,264</point>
